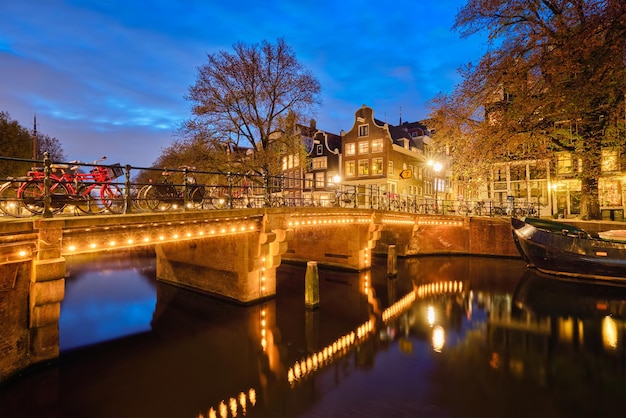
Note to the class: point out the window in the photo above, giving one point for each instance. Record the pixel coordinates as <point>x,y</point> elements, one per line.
<point>320,149</point>
<point>350,169</point>
<point>308,180</point>
<point>364,167</point>
<point>537,171</point>
<point>390,169</point>
<point>350,148</point>
<point>377,145</point>
<point>564,163</point>
<point>377,166</point>
<point>319,163</point>
<point>284,163</point>
<point>330,179</point>
<point>364,130</point>
<point>319,180</point>
<point>518,172</point>
<point>610,159</point>
<point>364,147</point>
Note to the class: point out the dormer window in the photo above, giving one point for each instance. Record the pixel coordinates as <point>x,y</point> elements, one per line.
<point>364,130</point>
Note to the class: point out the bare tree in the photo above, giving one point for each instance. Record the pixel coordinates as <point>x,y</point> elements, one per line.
<point>243,100</point>
<point>51,145</point>
<point>550,63</point>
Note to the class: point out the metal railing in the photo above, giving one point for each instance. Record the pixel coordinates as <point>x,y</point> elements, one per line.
<point>43,192</point>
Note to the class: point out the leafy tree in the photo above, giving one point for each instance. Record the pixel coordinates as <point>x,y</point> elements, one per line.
<point>550,64</point>
<point>17,142</point>
<point>245,102</point>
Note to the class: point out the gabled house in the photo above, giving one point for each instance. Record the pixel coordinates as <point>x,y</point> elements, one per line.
<point>313,180</point>
<point>385,160</point>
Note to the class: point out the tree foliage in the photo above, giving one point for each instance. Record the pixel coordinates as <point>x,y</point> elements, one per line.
<point>243,102</point>
<point>553,79</point>
<point>17,142</point>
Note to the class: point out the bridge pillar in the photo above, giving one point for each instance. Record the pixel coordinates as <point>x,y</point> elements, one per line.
<point>47,290</point>
<point>240,267</point>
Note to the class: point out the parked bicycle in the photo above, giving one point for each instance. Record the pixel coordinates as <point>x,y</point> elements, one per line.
<point>92,192</point>
<point>166,195</point>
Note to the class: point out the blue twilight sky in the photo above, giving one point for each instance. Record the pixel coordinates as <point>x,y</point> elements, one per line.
<point>108,77</point>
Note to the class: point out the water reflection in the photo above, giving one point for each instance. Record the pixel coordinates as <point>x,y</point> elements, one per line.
<point>447,336</point>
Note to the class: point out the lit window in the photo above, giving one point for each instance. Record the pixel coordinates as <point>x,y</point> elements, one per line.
<point>319,180</point>
<point>319,163</point>
<point>364,167</point>
<point>377,166</point>
<point>308,180</point>
<point>364,147</point>
<point>377,145</point>
<point>390,169</point>
<point>364,130</point>
<point>564,163</point>
<point>350,169</point>
<point>610,159</point>
<point>350,148</point>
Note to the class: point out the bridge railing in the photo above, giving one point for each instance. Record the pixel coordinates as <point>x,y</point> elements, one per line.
<point>133,189</point>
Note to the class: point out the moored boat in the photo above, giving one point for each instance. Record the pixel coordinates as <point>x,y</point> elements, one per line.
<point>563,249</point>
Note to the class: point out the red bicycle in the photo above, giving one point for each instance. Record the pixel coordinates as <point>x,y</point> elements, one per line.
<point>93,192</point>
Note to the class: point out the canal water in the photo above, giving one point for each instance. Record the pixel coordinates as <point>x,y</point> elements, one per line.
<point>445,337</point>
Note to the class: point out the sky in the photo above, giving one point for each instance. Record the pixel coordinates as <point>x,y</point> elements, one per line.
<point>108,77</point>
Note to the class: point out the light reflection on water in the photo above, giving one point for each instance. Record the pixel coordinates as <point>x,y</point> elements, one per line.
<point>447,337</point>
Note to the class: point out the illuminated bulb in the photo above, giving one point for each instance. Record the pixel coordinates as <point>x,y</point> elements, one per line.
<point>112,243</point>
<point>175,236</point>
<point>72,248</point>
<point>130,241</point>
<point>161,237</point>
<point>146,239</point>
<point>92,245</point>
<point>233,407</point>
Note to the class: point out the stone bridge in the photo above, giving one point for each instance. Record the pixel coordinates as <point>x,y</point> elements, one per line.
<point>228,253</point>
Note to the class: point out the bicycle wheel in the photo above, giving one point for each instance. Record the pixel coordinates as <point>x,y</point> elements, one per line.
<point>87,200</point>
<point>112,198</point>
<point>151,198</point>
<point>10,203</point>
<point>196,198</point>
<point>33,193</point>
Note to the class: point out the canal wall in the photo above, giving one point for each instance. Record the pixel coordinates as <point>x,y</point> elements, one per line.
<point>453,235</point>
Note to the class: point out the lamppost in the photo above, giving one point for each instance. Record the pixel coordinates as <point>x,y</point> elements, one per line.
<point>337,184</point>
<point>437,166</point>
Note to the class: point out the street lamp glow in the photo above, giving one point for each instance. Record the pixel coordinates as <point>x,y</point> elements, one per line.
<point>437,167</point>
<point>336,179</point>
